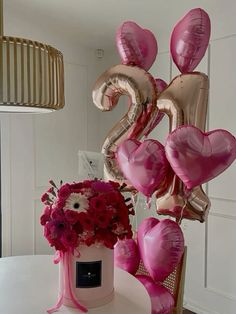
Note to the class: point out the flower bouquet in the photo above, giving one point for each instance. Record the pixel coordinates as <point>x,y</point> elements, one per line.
<point>83,222</point>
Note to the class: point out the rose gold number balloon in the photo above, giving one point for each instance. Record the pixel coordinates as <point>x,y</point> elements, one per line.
<point>185,101</point>
<point>140,86</point>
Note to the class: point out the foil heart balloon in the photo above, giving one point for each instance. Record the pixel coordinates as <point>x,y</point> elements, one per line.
<point>161,85</point>
<point>190,39</point>
<point>197,157</point>
<point>126,255</point>
<point>143,164</point>
<point>136,46</point>
<point>161,299</point>
<point>161,246</point>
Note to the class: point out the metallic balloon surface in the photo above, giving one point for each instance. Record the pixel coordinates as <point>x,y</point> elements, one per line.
<point>190,39</point>
<point>185,102</point>
<point>197,157</point>
<point>161,85</point>
<point>143,164</point>
<point>126,255</point>
<point>161,246</point>
<point>141,88</point>
<point>161,299</point>
<point>136,46</point>
<point>174,203</point>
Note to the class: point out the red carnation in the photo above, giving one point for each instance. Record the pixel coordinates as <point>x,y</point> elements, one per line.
<point>86,221</point>
<point>69,239</point>
<point>71,216</point>
<point>103,218</point>
<point>97,203</point>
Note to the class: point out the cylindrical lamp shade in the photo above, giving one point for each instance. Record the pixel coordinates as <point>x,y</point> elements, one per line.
<point>32,76</point>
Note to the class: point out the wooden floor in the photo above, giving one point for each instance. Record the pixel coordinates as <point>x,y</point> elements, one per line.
<point>187,312</point>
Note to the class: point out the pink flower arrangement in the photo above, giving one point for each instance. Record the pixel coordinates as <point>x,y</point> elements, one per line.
<point>88,212</point>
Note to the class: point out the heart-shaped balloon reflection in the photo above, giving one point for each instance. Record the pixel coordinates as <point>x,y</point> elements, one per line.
<point>161,246</point>
<point>197,157</point>
<point>189,40</point>
<point>126,255</point>
<point>143,164</point>
<point>136,45</point>
<point>161,299</point>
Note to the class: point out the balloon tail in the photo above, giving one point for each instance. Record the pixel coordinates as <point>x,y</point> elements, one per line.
<point>179,219</point>
<point>148,202</point>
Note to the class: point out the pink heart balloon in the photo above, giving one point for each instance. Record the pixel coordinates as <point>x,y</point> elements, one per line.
<point>161,299</point>
<point>190,39</point>
<point>161,85</point>
<point>143,164</point>
<point>161,246</point>
<point>136,46</point>
<point>126,255</point>
<point>197,157</point>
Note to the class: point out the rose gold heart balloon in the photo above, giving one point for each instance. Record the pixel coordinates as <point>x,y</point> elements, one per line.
<point>185,101</point>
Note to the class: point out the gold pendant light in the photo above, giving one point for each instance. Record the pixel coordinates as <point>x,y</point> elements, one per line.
<point>31,75</point>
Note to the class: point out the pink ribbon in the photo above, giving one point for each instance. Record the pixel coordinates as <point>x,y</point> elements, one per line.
<point>66,283</point>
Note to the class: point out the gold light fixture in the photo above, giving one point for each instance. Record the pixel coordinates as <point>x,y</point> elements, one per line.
<point>31,75</point>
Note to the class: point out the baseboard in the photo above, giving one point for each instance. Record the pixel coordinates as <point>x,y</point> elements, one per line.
<point>191,306</point>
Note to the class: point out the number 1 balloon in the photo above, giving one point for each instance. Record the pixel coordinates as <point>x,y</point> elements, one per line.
<point>185,101</point>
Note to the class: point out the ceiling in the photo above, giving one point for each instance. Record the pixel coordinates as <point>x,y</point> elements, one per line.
<point>92,23</point>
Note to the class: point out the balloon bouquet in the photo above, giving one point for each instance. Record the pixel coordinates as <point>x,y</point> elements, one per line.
<point>190,157</point>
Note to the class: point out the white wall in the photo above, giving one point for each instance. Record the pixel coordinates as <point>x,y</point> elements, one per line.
<point>36,148</point>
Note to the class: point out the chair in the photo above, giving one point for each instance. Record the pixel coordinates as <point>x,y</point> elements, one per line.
<point>174,282</point>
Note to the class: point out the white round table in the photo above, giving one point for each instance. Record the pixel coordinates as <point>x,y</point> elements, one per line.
<point>29,285</point>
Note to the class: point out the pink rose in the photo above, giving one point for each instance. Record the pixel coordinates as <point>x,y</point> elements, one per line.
<point>97,203</point>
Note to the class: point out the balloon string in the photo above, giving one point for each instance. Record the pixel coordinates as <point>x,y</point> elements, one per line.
<point>148,202</point>
<point>135,201</point>
<point>179,220</point>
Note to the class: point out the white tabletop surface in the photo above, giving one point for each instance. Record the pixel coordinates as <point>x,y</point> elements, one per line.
<point>29,285</point>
